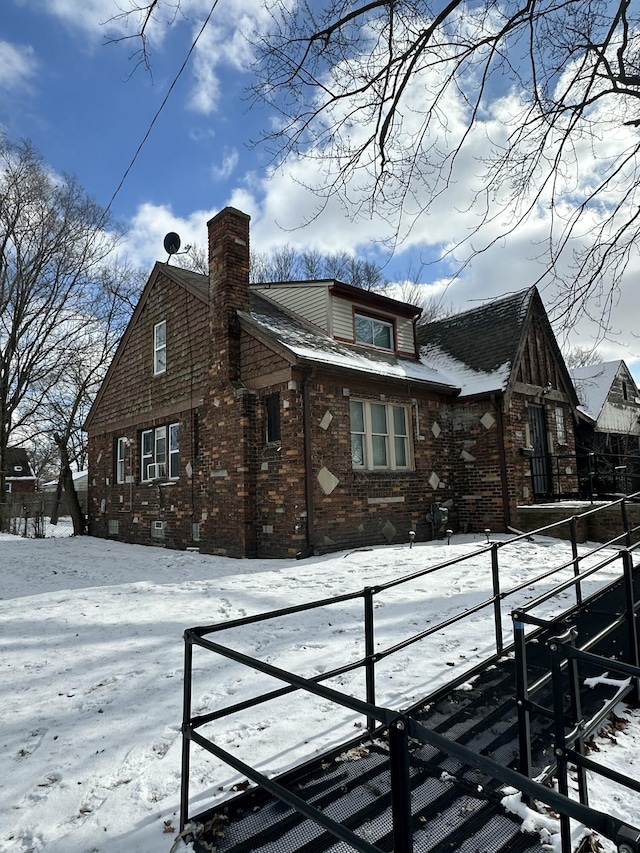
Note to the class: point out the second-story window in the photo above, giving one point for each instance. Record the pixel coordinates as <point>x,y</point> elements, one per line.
<point>160,347</point>
<point>373,331</point>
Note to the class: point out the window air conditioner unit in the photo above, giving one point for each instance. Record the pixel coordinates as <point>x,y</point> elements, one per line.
<point>157,469</point>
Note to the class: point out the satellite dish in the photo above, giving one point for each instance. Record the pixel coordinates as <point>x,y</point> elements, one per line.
<point>171,243</point>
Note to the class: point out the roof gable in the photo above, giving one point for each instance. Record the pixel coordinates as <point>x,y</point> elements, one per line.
<point>478,348</point>
<point>195,283</point>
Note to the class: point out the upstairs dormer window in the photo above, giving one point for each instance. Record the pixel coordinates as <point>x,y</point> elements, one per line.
<point>374,332</point>
<point>160,347</point>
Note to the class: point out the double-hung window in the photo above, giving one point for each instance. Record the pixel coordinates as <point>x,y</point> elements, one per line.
<point>379,436</point>
<point>121,455</point>
<point>272,417</point>
<point>374,332</point>
<point>160,347</point>
<point>159,453</point>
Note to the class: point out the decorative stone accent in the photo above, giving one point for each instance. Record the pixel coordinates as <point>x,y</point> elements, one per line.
<point>487,420</point>
<point>327,480</point>
<point>219,474</point>
<point>267,528</point>
<point>326,420</point>
<point>189,469</point>
<point>389,531</point>
<point>264,466</point>
<point>435,429</point>
<point>434,480</point>
<point>467,456</point>
<point>397,499</point>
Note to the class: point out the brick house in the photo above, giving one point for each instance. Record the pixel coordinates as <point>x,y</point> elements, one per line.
<point>298,417</point>
<point>19,477</point>
<point>512,427</point>
<point>608,429</point>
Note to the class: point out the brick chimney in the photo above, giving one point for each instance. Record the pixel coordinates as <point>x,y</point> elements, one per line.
<point>228,287</point>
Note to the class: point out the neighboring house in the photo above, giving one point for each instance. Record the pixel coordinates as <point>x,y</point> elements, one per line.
<point>512,427</point>
<point>608,432</point>
<point>19,477</point>
<point>80,480</point>
<point>298,417</point>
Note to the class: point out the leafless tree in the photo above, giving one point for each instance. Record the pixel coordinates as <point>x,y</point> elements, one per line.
<point>394,94</point>
<point>396,98</point>
<point>581,356</point>
<point>54,246</point>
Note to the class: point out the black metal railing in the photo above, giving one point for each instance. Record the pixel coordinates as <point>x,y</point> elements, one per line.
<point>586,474</point>
<point>571,729</point>
<point>400,725</point>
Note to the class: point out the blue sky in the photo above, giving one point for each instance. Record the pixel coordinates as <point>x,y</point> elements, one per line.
<point>86,108</point>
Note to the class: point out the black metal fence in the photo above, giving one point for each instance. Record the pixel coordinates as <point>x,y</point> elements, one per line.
<point>587,475</point>
<point>401,725</point>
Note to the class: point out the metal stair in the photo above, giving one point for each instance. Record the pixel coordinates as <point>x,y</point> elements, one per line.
<point>453,807</point>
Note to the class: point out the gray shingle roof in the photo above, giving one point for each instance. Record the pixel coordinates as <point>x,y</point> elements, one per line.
<point>483,339</point>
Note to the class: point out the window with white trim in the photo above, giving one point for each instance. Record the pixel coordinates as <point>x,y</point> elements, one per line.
<point>561,431</point>
<point>159,453</point>
<point>379,436</point>
<point>160,347</point>
<point>121,455</point>
<point>374,332</point>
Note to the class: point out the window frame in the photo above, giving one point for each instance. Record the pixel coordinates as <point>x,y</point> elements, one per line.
<point>272,419</point>
<point>374,321</point>
<point>122,443</point>
<point>156,448</point>
<point>160,348</point>
<point>374,441</point>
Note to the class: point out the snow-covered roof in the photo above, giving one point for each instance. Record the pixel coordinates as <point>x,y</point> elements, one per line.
<point>593,383</point>
<point>310,344</point>
<point>469,381</point>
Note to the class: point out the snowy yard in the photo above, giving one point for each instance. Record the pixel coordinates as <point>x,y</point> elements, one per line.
<point>91,681</point>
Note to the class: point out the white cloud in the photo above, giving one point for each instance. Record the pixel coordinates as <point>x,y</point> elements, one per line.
<point>152,222</point>
<point>229,162</point>
<point>18,66</point>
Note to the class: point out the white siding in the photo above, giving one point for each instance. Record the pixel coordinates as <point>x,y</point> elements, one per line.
<point>342,319</point>
<point>309,302</point>
<point>405,341</point>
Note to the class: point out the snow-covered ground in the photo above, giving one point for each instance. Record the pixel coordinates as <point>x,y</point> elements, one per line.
<point>92,659</point>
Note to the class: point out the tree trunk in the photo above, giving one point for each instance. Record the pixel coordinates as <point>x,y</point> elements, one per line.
<point>66,476</point>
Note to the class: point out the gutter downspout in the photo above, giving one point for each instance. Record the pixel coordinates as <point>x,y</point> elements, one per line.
<point>503,463</point>
<point>309,549</point>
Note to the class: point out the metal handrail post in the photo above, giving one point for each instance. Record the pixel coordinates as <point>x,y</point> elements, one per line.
<point>576,711</point>
<point>497,609</point>
<point>560,741</point>
<point>186,732</point>
<point>630,608</point>
<point>625,522</point>
<point>400,786</point>
<point>522,696</point>
<point>573,535</point>
<point>369,649</point>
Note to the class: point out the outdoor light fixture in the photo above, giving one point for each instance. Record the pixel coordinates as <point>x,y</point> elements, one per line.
<point>487,531</point>
<point>449,535</point>
<point>412,536</point>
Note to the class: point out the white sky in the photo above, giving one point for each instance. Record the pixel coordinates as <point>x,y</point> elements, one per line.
<point>91,674</point>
